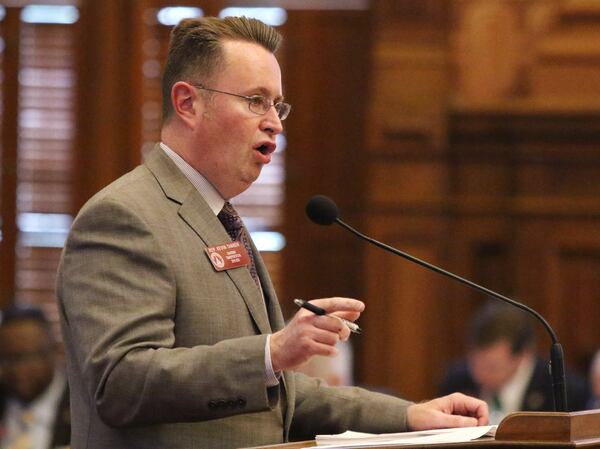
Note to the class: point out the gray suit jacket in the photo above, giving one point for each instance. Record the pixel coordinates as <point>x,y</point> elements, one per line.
<point>165,352</point>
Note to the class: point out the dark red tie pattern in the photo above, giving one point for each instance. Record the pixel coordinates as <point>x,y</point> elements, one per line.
<point>234,226</point>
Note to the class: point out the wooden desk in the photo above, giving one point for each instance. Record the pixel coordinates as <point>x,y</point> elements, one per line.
<point>484,443</point>
<point>521,430</point>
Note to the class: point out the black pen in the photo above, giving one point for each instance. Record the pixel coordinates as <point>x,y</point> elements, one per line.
<point>319,311</point>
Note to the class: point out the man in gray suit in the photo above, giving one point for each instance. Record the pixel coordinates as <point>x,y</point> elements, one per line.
<point>173,333</point>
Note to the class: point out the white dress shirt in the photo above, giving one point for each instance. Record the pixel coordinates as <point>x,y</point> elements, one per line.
<point>511,395</point>
<point>41,414</point>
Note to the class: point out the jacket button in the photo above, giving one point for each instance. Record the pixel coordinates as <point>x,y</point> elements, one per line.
<point>241,402</point>
<point>212,405</point>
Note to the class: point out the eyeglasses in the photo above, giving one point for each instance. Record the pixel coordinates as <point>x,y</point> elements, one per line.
<point>256,103</point>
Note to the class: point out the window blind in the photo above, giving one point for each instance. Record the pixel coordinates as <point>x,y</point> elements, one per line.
<point>45,160</point>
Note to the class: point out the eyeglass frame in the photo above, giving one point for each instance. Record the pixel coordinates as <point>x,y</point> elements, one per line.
<point>251,98</point>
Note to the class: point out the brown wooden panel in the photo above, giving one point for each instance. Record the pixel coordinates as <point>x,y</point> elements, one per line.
<point>8,179</point>
<point>481,179</point>
<point>479,248</point>
<point>509,172</point>
<point>579,80</point>
<point>407,85</point>
<point>566,180</point>
<point>578,296</point>
<point>558,273</point>
<point>487,67</point>
<point>396,181</point>
<point>327,86</point>
<point>572,287</point>
<point>106,56</point>
<point>402,334</point>
<point>421,21</point>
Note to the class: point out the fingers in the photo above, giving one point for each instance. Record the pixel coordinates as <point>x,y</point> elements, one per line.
<point>469,406</point>
<point>448,421</point>
<point>330,323</point>
<point>340,306</point>
<point>455,410</point>
<point>344,332</point>
<point>338,310</point>
<point>307,334</point>
<point>327,334</point>
<point>346,308</point>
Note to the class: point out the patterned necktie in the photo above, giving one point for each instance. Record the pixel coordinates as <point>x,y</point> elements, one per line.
<point>234,226</point>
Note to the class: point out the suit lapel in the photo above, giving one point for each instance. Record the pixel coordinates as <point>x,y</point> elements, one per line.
<point>270,297</point>
<point>198,215</point>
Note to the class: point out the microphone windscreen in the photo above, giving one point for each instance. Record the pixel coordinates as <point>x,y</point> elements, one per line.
<point>322,210</point>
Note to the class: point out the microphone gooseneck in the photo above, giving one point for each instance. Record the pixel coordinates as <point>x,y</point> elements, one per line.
<point>323,211</point>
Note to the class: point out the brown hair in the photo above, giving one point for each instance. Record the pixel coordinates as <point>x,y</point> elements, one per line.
<point>196,49</point>
<point>497,322</point>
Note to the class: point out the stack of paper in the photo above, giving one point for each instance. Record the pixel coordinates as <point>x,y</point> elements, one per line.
<point>351,439</point>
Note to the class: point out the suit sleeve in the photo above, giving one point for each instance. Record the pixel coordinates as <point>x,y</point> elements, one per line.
<point>578,393</point>
<point>117,296</point>
<point>321,408</point>
<point>457,378</point>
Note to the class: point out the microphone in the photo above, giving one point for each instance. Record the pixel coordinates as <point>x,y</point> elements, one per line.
<point>323,211</point>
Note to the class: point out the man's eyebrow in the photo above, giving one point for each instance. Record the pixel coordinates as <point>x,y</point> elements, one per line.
<point>265,93</point>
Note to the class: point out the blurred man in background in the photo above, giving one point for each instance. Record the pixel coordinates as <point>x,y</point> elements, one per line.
<point>594,401</point>
<point>503,369</point>
<point>34,407</point>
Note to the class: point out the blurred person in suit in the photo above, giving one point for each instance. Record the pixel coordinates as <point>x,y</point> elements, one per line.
<point>594,402</point>
<point>173,332</point>
<point>34,401</point>
<point>503,368</point>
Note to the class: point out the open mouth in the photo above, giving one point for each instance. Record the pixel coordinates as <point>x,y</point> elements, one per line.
<point>265,148</point>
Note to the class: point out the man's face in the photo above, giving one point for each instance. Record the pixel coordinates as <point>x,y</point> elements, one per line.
<point>494,365</point>
<point>595,382</point>
<point>227,134</point>
<point>27,359</point>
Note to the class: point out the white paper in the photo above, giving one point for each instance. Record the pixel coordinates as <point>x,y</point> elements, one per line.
<point>351,439</point>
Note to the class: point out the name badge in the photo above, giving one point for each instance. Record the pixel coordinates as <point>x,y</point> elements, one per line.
<point>228,256</point>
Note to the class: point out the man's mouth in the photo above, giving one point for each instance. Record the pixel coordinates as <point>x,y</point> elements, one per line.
<point>265,148</point>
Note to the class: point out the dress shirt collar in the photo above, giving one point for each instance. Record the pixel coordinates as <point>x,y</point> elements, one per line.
<point>513,393</point>
<point>212,197</point>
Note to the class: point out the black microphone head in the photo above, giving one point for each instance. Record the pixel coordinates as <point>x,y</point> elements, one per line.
<point>322,210</point>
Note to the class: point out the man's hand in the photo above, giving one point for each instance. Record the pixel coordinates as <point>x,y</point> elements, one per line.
<point>454,410</point>
<point>308,334</point>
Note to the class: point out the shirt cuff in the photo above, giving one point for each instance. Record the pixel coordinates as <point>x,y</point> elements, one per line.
<point>271,377</point>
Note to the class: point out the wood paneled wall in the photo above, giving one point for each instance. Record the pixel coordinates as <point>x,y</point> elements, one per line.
<point>465,132</point>
<point>326,53</point>
<point>484,158</point>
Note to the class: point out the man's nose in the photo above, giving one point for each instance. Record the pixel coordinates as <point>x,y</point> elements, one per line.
<point>271,122</point>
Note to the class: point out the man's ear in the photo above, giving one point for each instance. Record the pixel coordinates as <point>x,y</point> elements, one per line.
<point>184,106</point>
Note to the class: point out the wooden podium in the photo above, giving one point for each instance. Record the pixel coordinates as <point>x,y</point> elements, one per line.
<point>521,430</point>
